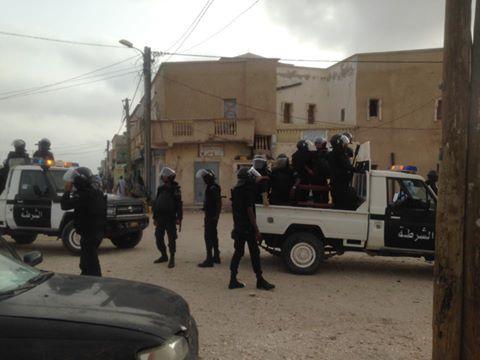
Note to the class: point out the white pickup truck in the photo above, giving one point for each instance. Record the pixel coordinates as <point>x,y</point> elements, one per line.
<point>395,216</point>
<point>30,205</point>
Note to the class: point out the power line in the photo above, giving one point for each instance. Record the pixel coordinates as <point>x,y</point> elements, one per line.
<point>67,80</point>
<point>224,27</point>
<point>63,41</point>
<point>194,25</point>
<point>304,60</point>
<point>68,87</point>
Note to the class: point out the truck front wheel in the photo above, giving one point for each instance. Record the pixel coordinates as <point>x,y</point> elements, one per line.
<point>127,241</point>
<point>24,239</point>
<point>303,253</point>
<point>71,239</point>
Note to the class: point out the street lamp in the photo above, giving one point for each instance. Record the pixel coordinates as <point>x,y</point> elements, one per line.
<point>147,112</point>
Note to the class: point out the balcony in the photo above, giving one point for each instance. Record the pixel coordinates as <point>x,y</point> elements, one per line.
<point>170,132</point>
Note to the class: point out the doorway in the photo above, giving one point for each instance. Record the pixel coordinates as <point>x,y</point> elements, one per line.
<point>199,186</point>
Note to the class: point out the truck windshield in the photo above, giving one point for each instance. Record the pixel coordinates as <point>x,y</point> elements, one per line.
<point>413,190</point>
<point>56,177</point>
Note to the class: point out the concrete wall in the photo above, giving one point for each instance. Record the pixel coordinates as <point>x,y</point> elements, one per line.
<point>408,92</point>
<point>341,83</point>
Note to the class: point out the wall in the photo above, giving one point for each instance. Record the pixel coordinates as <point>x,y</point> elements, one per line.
<point>408,92</point>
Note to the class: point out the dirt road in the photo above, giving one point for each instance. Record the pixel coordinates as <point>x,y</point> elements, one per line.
<point>355,307</point>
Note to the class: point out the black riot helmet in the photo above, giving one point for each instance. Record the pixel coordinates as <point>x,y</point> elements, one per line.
<point>302,145</point>
<point>81,177</point>
<point>247,176</point>
<point>44,144</point>
<point>282,161</point>
<point>432,176</point>
<point>167,174</point>
<point>206,175</point>
<point>19,145</point>
<point>259,162</point>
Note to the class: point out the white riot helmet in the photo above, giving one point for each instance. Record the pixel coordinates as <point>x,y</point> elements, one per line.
<point>166,172</point>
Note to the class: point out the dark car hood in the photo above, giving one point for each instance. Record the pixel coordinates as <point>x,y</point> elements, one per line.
<point>102,301</point>
<point>121,200</point>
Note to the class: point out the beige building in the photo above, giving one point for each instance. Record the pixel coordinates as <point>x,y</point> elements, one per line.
<point>218,114</point>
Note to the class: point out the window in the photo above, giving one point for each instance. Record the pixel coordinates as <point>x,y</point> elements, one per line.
<point>342,115</point>
<point>230,108</point>
<point>409,193</point>
<point>56,179</point>
<point>262,142</point>
<point>438,109</point>
<point>374,109</point>
<point>33,184</point>
<point>312,109</point>
<point>287,113</point>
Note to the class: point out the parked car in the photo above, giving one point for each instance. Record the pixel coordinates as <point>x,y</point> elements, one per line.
<point>44,315</point>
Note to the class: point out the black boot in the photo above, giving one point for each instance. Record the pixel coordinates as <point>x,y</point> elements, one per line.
<point>171,263</point>
<point>235,284</point>
<point>207,263</point>
<point>263,284</point>
<point>216,257</point>
<point>161,259</point>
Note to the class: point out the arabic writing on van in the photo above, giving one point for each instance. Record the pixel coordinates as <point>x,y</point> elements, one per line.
<point>424,234</point>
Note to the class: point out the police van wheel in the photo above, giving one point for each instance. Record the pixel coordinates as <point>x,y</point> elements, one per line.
<point>71,239</point>
<point>303,252</point>
<point>24,239</point>
<point>127,241</point>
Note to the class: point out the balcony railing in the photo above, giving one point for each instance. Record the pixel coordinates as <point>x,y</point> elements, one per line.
<point>170,132</point>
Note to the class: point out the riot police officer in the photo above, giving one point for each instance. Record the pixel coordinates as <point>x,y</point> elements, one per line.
<point>260,164</point>
<point>321,169</point>
<point>301,162</point>
<point>342,172</point>
<point>90,216</point>
<point>432,177</point>
<point>284,181</point>
<point>43,151</point>
<point>212,207</point>
<point>16,157</point>
<point>167,214</point>
<point>245,229</point>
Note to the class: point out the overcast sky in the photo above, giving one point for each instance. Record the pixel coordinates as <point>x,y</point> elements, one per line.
<point>80,119</point>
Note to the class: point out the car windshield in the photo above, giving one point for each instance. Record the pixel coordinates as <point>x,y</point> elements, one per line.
<point>14,274</point>
<point>57,181</point>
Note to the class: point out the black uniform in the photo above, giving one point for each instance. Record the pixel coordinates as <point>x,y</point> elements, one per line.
<point>301,159</point>
<point>212,207</point>
<point>43,154</point>
<point>243,198</point>
<point>322,172</point>
<point>12,155</point>
<point>433,184</point>
<point>90,217</point>
<point>342,172</point>
<point>167,210</point>
<point>282,181</point>
<point>262,186</point>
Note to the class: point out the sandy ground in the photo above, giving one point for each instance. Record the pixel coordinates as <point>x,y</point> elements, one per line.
<point>355,307</point>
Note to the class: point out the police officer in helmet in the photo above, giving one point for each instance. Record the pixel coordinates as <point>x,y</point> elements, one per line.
<point>301,162</point>
<point>212,206</point>
<point>245,229</point>
<point>16,157</point>
<point>43,151</point>
<point>432,177</point>
<point>284,181</point>
<point>90,216</point>
<point>321,169</point>
<point>167,214</point>
<point>260,164</point>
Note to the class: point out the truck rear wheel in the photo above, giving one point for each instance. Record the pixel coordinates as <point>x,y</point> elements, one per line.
<point>71,239</point>
<point>24,239</point>
<point>303,252</point>
<point>127,241</point>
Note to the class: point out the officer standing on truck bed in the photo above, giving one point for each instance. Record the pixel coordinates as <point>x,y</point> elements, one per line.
<point>284,182</point>
<point>43,151</point>
<point>167,214</point>
<point>90,216</point>
<point>301,162</point>
<point>212,206</point>
<point>245,229</point>
<point>321,169</point>
<point>260,164</point>
<point>19,155</point>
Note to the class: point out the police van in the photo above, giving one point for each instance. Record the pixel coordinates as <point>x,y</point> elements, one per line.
<point>30,205</point>
<point>394,216</point>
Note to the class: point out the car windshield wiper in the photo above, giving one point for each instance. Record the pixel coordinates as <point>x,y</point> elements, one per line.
<point>41,277</point>
<point>21,288</point>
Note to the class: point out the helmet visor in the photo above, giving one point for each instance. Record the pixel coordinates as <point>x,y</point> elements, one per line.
<point>253,172</point>
<point>201,173</point>
<point>259,163</point>
<point>69,175</point>
<point>281,163</point>
<point>167,172</point>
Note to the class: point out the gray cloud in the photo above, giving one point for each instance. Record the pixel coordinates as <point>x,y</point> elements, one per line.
<point>353,26</point>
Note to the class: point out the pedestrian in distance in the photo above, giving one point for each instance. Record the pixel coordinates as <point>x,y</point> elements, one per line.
<point>245,229</point>
<point>43,151</point>
<point>212,207</point>
<point>90,216</point>
<point>122,187</point>
<point>167,214</point>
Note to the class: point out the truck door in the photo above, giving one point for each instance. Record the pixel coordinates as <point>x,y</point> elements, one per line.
<point>31,206</point>
<point>410,215</point>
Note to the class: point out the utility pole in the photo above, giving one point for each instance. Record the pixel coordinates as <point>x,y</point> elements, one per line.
<point>126,107</point>
<point>471,266</point>
<point>448,320</point>
<point>147,116</point>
